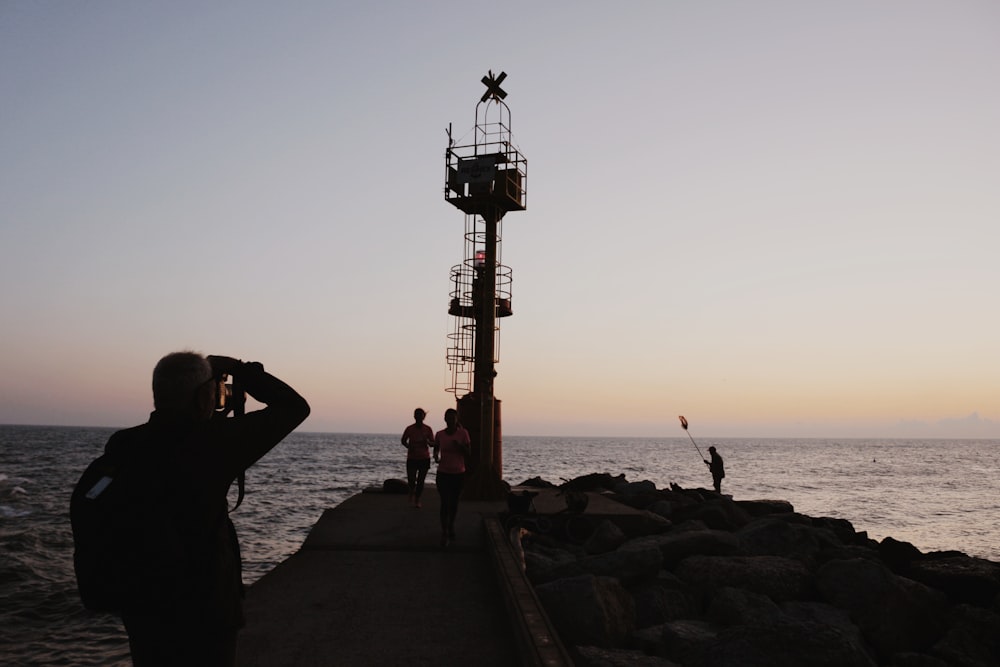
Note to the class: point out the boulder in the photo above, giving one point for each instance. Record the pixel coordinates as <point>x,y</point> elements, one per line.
<point>606,537</point>
<point>786,644</point>
<point>588,610</point>
<point>395,486</point>
<point>677,545</point>
<point>660,600</point>
<point>686,642</point>
<point>777,577</point>
<point>810,611</point>
<point>842,528</point>
<point>538,483</point>
<point>962,578</point>
<point>592,482</point>
<point>629,563</point>
<point>898,555</point>
<point>895,614</point>
<point>662,508</point>
<point>719,513</point>
<point>627,489</point>
<point>973,637</point>
<point>521,502</point>
<point>544,563</point>
<point>757,508</point>
<point>773,536</point>
<point>735,606</point>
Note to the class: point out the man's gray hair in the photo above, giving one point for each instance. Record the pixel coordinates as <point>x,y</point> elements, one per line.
<point>176,379</point>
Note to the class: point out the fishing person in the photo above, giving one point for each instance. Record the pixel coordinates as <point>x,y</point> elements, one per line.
<point>417,438</point>
<point>184,602</point>
<point>451,445</point>
<point>717,468</point>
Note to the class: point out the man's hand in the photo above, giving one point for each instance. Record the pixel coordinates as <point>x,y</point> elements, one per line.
<point>223,365</point>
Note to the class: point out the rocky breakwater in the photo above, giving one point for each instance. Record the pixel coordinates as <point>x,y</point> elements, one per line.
<point>713,582</point>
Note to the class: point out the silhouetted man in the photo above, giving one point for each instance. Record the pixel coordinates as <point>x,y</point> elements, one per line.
<point>716,467</point>
<point>185,600</point>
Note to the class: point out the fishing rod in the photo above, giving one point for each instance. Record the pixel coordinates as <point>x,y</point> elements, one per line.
<point>684,425</point>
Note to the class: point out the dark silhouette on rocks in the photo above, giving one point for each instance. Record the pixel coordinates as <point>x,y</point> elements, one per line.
<point>713,582</point>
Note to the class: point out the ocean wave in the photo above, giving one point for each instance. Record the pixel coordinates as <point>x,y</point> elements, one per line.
<point>8,512</point>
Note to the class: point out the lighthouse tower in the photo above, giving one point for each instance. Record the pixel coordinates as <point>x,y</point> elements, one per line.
<point>485,179</point>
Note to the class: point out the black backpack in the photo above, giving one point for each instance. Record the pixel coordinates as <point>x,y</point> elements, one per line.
<point>127,545</point>
<point>100,513</point>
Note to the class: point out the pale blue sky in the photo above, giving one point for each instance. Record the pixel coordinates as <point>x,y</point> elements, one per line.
<point>777,218</point>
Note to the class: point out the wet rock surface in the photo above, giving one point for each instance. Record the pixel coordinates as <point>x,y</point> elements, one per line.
<point>717,582</point>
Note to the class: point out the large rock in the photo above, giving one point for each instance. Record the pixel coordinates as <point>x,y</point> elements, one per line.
<point>592,482</point>
<point>895,614</point>
<point>660,600</point>
<point>811,611</point>
<point>777,577</point>
<point>768,638</point>
<point>395,486</point>
<point>606,537</point>
<point>842,528</point>
<point>544,562</point>
<point>772,536</point>
<point>735,606</point>
<point>662,507</point>
<point>627,489</point>
<point>757,508</point>
<point>962,578</point>
<point>588,610</point>
<point>630,563</point>
<point>679,544</point>
<point>898,555</point>
<point>687,642</point>
<point>785,644</point>
<point>972,639</point>
<point>538,483</point>
<point>720,513</point>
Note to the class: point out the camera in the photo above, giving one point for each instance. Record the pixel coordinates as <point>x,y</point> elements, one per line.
<point>228,395</point>
<point>223,393</point>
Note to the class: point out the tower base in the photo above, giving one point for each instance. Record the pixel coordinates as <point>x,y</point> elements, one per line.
<point>484,480</point>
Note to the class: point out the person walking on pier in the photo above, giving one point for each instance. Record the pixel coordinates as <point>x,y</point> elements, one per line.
<point>451,445</point>
<point>417,439</point>
<point>716,467</point>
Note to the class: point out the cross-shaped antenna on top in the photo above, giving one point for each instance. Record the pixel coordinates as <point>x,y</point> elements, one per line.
<point>493,88</point>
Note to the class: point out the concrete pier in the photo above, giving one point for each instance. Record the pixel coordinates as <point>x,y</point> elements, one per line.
<point>371,585</point>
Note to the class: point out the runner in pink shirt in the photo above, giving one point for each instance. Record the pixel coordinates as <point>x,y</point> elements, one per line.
<point>417,439</point>
<point>451,445</point>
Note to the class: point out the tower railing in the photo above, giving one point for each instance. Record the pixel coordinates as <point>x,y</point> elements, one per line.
<point>463,302</point>
<point>489,172</point>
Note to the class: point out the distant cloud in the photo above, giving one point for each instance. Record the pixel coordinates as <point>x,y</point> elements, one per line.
<point>972,426</point>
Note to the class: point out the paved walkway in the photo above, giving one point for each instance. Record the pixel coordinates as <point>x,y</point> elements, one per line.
<point>372,586</point>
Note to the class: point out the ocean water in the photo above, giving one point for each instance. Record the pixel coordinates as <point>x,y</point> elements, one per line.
<point>937,494</point>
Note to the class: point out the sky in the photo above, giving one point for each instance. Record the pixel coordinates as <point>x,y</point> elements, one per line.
<point>776,218</point>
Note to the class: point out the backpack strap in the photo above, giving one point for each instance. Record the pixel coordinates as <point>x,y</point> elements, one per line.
<point>241,487</point>
<point>239,409</point>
